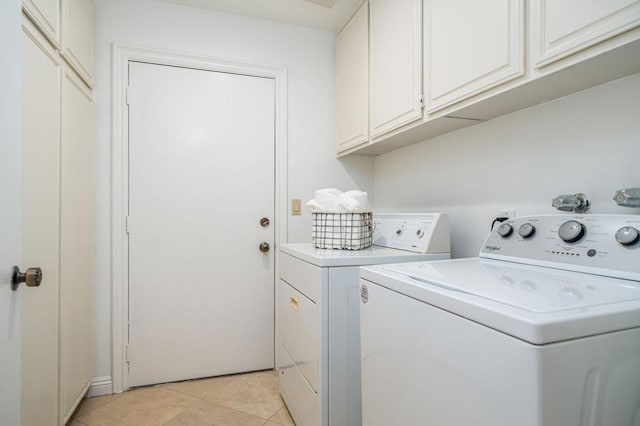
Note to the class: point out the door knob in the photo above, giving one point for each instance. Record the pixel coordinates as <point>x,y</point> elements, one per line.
<point>264,222</point>
<point>32,277</point>
<point>264,247</point>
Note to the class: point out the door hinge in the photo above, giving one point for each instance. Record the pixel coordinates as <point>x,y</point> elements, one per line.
<point>422,101</point>
<point>127,224</point>
<point>127,353</point>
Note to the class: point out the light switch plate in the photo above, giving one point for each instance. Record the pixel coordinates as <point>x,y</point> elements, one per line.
<point>296,207</point>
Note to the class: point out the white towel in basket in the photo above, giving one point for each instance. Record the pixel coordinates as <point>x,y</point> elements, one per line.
<point>353,201</point>
<point>331,200</point>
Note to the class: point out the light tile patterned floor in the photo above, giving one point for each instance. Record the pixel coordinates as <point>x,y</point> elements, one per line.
<point>240,400</point>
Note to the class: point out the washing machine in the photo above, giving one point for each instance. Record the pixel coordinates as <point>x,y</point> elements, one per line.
<point>543,329</point>
<point>318,320</point>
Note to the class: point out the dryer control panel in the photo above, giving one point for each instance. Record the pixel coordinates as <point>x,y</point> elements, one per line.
<point>606,245</point>
<point>416,232</point>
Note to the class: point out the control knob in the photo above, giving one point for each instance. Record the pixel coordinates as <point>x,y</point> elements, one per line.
<point>505,230</point>
<point>571,231</point>
<point>627,236</point>
<point>526,230</point>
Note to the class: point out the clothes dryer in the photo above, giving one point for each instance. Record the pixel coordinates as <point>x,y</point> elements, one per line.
<point>318,321</point>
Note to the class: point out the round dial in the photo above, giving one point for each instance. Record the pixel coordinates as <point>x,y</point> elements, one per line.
<point>571,231</point>
<point>526,230</point>
<point>505,230</point>
<point>627,235</point>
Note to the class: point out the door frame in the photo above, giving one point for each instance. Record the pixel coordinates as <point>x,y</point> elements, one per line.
<point>121,56</point>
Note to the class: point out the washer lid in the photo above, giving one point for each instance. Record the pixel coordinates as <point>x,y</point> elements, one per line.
<point>532,289</point>
<point>536,304</point>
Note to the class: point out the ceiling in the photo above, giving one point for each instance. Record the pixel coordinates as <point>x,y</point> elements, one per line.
<point>308,13</point>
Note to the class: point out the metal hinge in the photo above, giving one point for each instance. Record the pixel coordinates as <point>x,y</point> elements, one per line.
<point>127,224</point>
<point>127,352</point>
<point>422,101</point>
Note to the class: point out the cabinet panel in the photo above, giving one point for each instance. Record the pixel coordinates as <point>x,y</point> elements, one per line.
<point>470,47</point>
<point>77,36</point>
<point>396,64</point>
<point>40,224</point>
<point>561,28</point>
<point>303,276</point>
<point>299,326</point>
<point>352,63</point>
<point>46,15</point>
<point>75,243</point>
<point>302,401</point>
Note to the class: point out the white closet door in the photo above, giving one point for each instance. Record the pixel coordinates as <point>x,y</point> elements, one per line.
<point>201,175</point>
<point>40,227</point>
<point>76,342</point>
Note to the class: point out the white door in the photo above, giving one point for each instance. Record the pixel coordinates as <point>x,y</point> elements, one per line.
<point>201,176</point>
<point>10,221</point>
<point>40,227</point>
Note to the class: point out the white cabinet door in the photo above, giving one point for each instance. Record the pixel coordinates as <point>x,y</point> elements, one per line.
<point>396,64</point>
<point>352,64</point>
<point>46,15</point>
<point>40,225</point>
<point>562,28</point>
<point>77,36</point>
<point>471,46</point>
<point>75,243</point>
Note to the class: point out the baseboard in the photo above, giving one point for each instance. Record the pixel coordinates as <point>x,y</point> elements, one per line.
<point>100,386</point>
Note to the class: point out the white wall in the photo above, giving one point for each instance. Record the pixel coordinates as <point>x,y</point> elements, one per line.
<point>307,54</point>
<point>587,142</point>
<point>10,202</point>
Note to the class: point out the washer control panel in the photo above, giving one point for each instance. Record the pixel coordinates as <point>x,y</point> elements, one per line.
<point>416,232</point>
<point>603,244</point>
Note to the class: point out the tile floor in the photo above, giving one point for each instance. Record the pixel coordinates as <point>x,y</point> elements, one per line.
<point>239,400</point>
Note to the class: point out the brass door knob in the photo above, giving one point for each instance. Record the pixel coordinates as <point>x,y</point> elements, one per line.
<point>32,277</point>
<point>264,247</point>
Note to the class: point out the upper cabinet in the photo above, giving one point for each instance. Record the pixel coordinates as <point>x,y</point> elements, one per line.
<point>77,37</point>
<point>352,65</point>
<point>68,25</point>
<point>471,46</point>
<point>45,14</point>
<point>482,59</point>
<point>562,28</point>
<point>395,64</point>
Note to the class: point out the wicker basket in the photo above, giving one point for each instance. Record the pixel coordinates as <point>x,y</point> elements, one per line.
<point>343,231</point>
